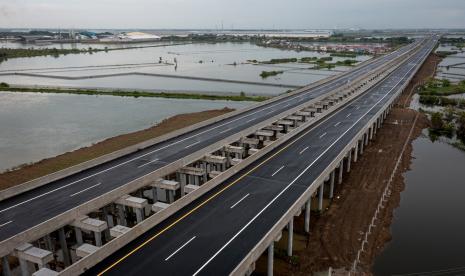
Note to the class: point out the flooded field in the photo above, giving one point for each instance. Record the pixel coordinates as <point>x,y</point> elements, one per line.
<point>452,67</point>
<point>428,227</point>
<point>36,126</point>
<point>221,61</point>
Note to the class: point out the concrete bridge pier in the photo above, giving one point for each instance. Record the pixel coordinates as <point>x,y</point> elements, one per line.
<point>290,236</point>
<point>331,184</point>
<point>320,196</point>
<point>349,160</point>
<point>361,146</point>
<point>270,259</point>
<point>6,266</point>
<point>308,206</point>
<point>137,204</point>
<point>356,152</point>
<point>28,255</point>
<point>91,225</point>
<point>64,246</point>
<point>341,169</point>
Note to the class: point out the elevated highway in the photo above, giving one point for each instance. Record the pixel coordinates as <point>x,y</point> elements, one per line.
<point>227,229</point>
<point>29,213</point>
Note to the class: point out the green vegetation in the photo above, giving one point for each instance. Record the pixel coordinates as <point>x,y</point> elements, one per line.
<point>136,94</point>
<point>444,54</point>
<point>344,54</point>
<point>280,60</point>
<point>4,85</point>
<point>441,88</point>
<point>6,53</point>
<point>433,92</point>
<point>347,62</point>
<point>266,74</point>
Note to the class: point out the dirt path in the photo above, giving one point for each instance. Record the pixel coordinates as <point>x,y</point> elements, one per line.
<point>50,165</point>
<point>336,236</point>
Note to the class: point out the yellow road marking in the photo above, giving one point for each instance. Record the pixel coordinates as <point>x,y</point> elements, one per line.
<point>212,197</point>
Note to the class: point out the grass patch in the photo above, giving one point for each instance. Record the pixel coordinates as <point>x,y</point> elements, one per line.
<point>137,94</point>
<point>266,74</point>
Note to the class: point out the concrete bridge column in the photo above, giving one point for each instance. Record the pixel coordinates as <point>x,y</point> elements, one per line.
<point>6,266</point>
<point>121,220</point>
<point>341,169</point>
<point>78,233</point>
<point>356,152</point>
<point>64,246</point>
<point>365,137</point>
<point>349,160</point>
<point>371,133</point>
<point>308,206</point>
<point>320,196</point>
<point>270,259</point>
<point>361,146</point>
<point>290,236</point>
<point>331,184</point>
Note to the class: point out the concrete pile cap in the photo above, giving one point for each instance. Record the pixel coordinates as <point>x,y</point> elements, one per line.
<point>250,141</point>
<point>166,184</point>
<point>132,201</point>
<point>302,113</point>
<point>90,224</point>
<point>190,188</point>
<point>285,122</point>
<point>234,149</point>
<point>118,230</point>
<point>86,249</point>
<point>192,171</point>
<point>45,272</point>
<point>264,133</point>
<point>33,254</point>
<point>294,118</point>
<point>215,159</point>
<point>158,206</point>
<point>273,127</point>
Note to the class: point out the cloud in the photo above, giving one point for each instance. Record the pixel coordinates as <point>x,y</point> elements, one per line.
<point>237,13</point>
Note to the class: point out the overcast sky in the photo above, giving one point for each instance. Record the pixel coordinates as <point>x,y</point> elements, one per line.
<point>233,13</point>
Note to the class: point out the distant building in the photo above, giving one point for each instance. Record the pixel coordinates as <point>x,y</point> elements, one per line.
<point>132,37</point>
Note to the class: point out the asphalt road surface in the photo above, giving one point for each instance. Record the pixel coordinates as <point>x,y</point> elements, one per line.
<point>31,208</point>
<point>212,235</point>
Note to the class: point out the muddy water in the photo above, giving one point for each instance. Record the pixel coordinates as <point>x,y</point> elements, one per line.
<point>36,126</point>
<point>428,230</point>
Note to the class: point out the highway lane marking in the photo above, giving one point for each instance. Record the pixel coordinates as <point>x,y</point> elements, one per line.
<point>358,107</point>
<point>216,194</point>
<point>293,181</point>
<point>250,120</point>
<point>323,135</point>
<point>269,112</point>
<point>150,162</point>
<point>356,72</point>
<point>86,189</point>
<point>348,115</point>
<point>302,151</point>
<point>240,200</point>
<point>188,146</point>
<point>338,123</point>
<point>226,130</point>
<point>6,223</point>
<point>212,197</point>
<point>277,171</point>
<point>182,246</point>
